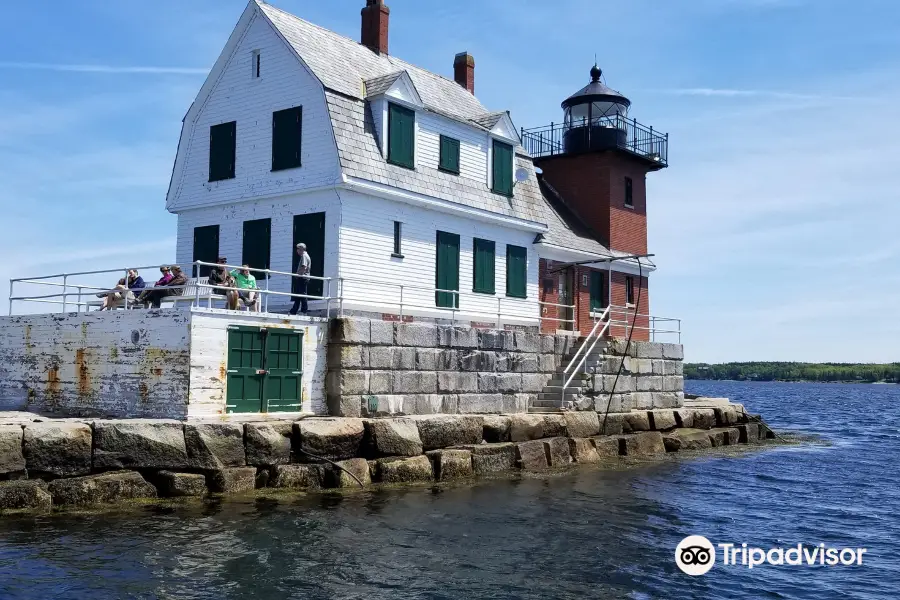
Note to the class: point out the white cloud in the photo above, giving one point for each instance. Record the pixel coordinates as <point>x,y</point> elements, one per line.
<point>107,69</point>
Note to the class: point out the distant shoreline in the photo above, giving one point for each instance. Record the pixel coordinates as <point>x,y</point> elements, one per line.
<point>795,372</point>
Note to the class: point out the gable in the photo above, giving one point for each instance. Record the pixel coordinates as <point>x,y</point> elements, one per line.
<point>231,93</point>
<point>506,130</point>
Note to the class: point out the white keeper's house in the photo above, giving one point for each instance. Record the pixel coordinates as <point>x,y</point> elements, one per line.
<point>398,177</point>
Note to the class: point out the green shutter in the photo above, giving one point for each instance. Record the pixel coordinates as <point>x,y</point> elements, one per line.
<point>447,269</point>
<point>449,156</point>
<point>222,151</point>
<point>502,168</point>
<point>483,266</point>
<point>206,248</point>
<point>598,297</point>
<point>257,244</point>
<point>516,271</point>
<point>401,136</point>
<point>287,130</point>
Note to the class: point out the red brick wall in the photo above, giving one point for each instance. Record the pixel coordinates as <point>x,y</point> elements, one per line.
<point>594,186</point>
<point>582,300</point>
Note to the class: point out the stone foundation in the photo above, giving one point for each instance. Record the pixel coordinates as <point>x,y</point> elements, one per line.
<point>46,464</point>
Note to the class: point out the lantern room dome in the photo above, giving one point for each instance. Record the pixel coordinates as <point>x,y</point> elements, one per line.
<point>594,101</point>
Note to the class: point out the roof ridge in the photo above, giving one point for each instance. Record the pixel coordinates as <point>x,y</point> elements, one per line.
<point>316,25</point>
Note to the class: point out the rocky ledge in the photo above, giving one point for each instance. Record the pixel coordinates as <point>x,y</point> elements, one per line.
<point>59,463</point>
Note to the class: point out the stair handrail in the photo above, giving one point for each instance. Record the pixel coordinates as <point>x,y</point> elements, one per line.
<point>603,320</point>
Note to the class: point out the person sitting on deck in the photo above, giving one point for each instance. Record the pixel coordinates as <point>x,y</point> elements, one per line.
<point>144,297</point>
<point>135,282</point>
<point>221,277</point>
<point>113,299</point>
<point>174,287</point>
<point>246,282</point>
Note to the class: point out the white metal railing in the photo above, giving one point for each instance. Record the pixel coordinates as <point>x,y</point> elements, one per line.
<point>658,327</point>
<point>75,290</point>
<point>601,327</point>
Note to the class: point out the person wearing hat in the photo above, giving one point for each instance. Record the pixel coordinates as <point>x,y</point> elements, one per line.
<point>173,287</point>
<point>221,277</point>
<point>146,295</point>
<point>301,283</point>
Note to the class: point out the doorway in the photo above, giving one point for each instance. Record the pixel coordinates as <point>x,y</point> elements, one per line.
<point>265,370</point>
<point>566,297</point>
<point>310,230</point>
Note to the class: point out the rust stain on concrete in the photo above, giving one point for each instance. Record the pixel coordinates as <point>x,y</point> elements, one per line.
<point>223,371</point>
<point>53,386</point>
<point>144,391</point>
<point>28,344</point>
<point>113,353</point>
<point>82,372</point>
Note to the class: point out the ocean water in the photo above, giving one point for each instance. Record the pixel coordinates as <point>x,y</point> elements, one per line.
<point>586,534</point>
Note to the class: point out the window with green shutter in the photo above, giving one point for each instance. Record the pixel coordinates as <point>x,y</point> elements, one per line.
<point>516,271</point>
<point>483,266</point>
<point>502,169</point>
<point>257,245</point>
<point>287,129</point>
<point>449,158</point>
<point>401,136</point>
<point>222,151</point>
<point>598,296</point>
<point>447,270</point>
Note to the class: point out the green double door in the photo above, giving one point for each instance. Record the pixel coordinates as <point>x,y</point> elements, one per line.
<point>264,370</point>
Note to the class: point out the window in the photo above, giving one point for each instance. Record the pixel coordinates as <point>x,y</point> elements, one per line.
<point>629,199</point>
<point>206,248</point>
<point>516,271</point>
<point>629,290</point>
<point>401,136</point>
<point>287,130</point>
<point>449,157</point>
<point>447,270</point>
<point>598,295</point>
<point>221,151</point>
<point>398,234</point>
<point>255,62</point>
<point>483,266</point>
<point>257,245</point>
<point>502,169</point>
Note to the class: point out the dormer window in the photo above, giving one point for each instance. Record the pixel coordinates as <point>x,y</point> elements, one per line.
<point>502,172</point>
<point>449,155</point>
<point>401,136</point>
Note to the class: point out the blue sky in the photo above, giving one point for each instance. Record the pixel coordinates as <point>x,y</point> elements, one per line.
<point>775,227</point>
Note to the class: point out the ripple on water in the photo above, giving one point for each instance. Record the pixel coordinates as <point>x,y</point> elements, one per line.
<point>587,534</point>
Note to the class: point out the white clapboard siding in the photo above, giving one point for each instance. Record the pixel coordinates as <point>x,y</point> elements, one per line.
<point>209,358</point>
<point>238,96</point>
<point>472,145</point>
<point>230,219</point>
<point>367,239</point>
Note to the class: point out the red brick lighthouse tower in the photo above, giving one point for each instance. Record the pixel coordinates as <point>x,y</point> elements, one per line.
<point>595,165</point>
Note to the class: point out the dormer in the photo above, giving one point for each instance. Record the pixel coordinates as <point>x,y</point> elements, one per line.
<point>394,100</point>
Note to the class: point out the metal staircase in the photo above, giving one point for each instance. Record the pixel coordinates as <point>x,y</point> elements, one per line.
<point>573,383</point>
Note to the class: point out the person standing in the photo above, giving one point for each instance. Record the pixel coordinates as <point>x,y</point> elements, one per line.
<point>301,283</point>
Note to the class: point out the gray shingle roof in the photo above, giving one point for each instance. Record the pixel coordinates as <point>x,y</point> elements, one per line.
<point>343,64</point>
<point>360,157</point>
<point>489,120</point>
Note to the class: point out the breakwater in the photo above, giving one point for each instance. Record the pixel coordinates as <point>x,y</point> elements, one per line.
<point>65,463</point>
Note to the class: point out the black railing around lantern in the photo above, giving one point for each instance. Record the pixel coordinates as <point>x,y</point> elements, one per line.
<point>602,133</point>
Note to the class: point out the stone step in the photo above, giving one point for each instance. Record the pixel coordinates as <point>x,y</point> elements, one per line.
<point>558,382</point>
<point>545,409</point>
<point>546,403</point>
<point>555,396</point>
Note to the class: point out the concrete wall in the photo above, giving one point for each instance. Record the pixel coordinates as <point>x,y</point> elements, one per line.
<point>426,369</point>
<point>124,363</point>
<point>652,377</point>
<point>209,359</point>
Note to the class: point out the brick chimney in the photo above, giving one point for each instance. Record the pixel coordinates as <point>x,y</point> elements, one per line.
<point>464,71</point>
<point>375,18</point>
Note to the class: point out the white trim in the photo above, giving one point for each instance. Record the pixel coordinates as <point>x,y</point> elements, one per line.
<point>503,127</point>
<point>393,193</point>
<point>436,313</point>
<point>563,254</point>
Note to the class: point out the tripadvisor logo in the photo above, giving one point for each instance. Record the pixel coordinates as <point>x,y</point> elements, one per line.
<point>696,555</point>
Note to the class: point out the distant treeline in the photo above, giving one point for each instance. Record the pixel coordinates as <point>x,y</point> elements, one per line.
<point>794,371</point>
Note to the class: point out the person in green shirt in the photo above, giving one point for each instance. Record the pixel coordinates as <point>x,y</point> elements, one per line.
<point>246,284</point>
